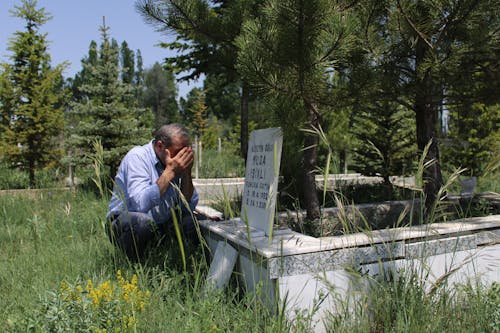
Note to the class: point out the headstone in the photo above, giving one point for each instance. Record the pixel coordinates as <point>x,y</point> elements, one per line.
<point>261,179</point>
<point>222,266</point>
<point>468,186</point>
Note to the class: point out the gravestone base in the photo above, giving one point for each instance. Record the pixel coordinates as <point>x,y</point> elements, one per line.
<point>301,272</point>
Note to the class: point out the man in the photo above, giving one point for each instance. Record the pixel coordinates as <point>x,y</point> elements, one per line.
<point>153,182</point>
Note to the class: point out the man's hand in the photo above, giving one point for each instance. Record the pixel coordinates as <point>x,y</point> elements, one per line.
<point>182,162</point>
<point>178,163</point>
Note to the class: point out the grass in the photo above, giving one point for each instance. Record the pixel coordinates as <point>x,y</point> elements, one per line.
<point>15,179</point>
<point>221,165</point>
<point>58,272</point>
<point>402,303</point>
<point>213,165</point>
<point>55,239</point>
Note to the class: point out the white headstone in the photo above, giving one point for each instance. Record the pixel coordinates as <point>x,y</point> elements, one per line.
<point>261,178</point>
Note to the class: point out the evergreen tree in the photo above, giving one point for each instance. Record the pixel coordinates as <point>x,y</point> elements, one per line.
<point>159,94</point>
<point>384,141</point>
<point>31,98</point>
<point>127,63</point>
<point>187,105</point>
<point>198,110</point>
<point>418,42</point>
<point>139,73</point>
<point>472,99</point>
<point>83,76</point>
<point>288,52</point>
<point>206,31</point>
<point>211,133</point>
<point>475,137</point>
<point>222,98</point>
<point>109,113</point>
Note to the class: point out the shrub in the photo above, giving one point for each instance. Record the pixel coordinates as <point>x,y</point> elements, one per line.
<point>111,306</point>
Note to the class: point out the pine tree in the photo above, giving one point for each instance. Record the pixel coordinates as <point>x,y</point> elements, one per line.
<point>31,98</point>
<point>159,95</point>
<point>198,110</point>
<point>127,63</point>
<point>288,52</point>
<point>475,138</point>
<point>205,34</point>
<point>83,75</point>
<point>472,95</point>
<point>109,113</point>
<point>384,141</point>
<point>418,41</point>
<point>139,73</point>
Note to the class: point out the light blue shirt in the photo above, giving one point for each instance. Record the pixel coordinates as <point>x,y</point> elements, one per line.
<point>135,188</point>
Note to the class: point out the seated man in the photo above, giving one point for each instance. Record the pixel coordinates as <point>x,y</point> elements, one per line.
<point>153,182</point>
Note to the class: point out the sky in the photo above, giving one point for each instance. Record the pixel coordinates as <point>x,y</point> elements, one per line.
<point>75,23</point>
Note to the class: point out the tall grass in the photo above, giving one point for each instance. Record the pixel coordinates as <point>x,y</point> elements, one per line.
<point>13,178</point>
<point>221,165</point>
<point>401,302</point>
<point>60,237</point>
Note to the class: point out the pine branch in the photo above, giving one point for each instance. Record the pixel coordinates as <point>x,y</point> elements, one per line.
<point>414,27</point>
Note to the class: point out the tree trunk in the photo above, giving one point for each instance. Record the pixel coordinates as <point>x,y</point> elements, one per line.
<point>426,120</point>
<point>310,156</point>
<point>245,96</point>
<point>31,162</point>
<point>343,161</point>
<point>31,173</point>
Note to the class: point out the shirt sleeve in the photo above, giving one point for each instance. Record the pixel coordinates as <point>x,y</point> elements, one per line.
<point>143,193</point>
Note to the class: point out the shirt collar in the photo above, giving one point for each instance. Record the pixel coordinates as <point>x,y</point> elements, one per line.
<point>152,155</point>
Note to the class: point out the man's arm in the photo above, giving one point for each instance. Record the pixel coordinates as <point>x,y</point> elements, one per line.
<point>164,180</point>
<point>187,186</point>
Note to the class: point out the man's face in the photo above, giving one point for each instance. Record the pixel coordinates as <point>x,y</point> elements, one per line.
<point>178,142</point>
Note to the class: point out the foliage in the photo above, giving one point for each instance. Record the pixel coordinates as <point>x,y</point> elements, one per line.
<point>88,62</point>
<point>384,145</point>
<point>212,133</point>
<point>31,97</point>
<point>400,302</point>
<point>65,232</point>
<point>18,179</point>
<point>420,47</point>
<point>221,164</point>
<point>288,53</point>
<point>197,113</point>
<point>108,307</point>
<point>205,34</point>
<point>222,98</point>
<point>127,63</point>
<point>159,95</point>
<point>475,138</point>
<point>108,112</point>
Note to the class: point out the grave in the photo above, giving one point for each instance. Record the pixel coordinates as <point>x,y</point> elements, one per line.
<point>301,273</point>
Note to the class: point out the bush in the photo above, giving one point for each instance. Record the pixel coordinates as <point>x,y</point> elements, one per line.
<point>220,165</point>
<point>108,307</point>
<point>13,178</point>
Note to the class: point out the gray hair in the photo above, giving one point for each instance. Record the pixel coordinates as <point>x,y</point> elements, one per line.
<point>166,133</point>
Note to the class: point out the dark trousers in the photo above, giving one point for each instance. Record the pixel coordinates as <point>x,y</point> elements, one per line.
<point>133,232</point>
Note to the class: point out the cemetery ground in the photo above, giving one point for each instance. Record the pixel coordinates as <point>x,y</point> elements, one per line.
<point>58,272</point>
